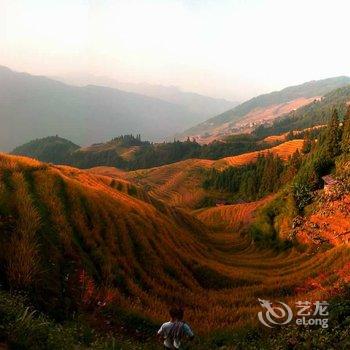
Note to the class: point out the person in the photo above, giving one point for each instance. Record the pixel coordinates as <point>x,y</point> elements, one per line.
<point>176,330</point>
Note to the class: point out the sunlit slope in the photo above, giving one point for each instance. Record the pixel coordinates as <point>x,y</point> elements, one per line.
<point>230,217</point>
<point>329,222</point>
<point>257,116</point>
<point>265,108</point>
<point>180,183</point>
<point>62,210</point>
<point>69,226</point>
<point>115,178</point>
<point>284,150</point>
<point>283,137</point>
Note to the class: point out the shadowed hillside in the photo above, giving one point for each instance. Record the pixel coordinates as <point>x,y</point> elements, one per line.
<point>82,114</point>
<point>203,106</point>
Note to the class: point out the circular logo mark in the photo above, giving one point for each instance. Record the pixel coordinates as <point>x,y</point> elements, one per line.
<point>274,315</point>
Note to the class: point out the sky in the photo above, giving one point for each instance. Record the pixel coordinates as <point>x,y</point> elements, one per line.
<point>223,48</point>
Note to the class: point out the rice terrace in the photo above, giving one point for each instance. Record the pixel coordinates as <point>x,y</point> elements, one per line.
<point>174,175</point>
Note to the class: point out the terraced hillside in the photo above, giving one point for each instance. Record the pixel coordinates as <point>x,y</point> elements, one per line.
<point>284,150</point>
<point>329,223</point>
<point>230,217</point>
<point>180,184</point>
<point>119,250</point>
<point>284,136</point>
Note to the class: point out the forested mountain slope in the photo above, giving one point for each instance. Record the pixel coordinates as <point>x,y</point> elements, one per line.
<point>316,113</point>
<point>265,108</point>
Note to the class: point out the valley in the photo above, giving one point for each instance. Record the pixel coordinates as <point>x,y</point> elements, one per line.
<point>220,269</point>
<point>131,242</point>
<point>174,175</point>
<point>180,183</point>
<point>106,237</point>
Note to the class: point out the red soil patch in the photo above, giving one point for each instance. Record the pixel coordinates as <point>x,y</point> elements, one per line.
<point>331,222</point>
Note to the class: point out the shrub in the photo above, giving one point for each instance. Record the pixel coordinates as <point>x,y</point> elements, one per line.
<point>302,195</point>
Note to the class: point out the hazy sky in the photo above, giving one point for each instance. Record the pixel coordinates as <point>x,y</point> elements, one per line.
<point>225,48</point>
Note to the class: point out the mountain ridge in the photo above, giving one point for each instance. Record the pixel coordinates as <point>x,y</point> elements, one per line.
<point>311,89</point>
<point>83,114</point>
<point>201,104</point>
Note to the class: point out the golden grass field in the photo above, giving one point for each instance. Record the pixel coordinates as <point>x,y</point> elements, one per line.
<point>230,217</point>
<point>144,253</point>
<point>180,183</point>
<point>283,150</point>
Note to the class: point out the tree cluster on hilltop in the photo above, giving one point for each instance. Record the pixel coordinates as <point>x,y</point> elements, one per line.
<point>255,180</point>
<point>145,154</point>
<point>303,171</point>
<point>332,143</point>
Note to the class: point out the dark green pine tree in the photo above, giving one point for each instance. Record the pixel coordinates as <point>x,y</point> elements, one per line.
<point>307,145</point>
<point>293,166</point>
<point>333,136</point>
<point>345,142</point>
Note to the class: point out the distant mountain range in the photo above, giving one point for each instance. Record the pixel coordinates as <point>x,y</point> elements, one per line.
<point>33,107</point>
<point>204,106</point>
<point>36,106</point>
<point>263,109</point>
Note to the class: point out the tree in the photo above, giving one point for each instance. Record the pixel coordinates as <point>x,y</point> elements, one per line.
<point>307,145</point>
<point>293,167</point>
<point>302,195</point>
<point>345,142</point>
<point>333,136</point>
